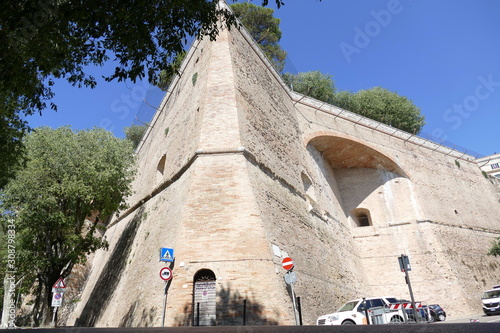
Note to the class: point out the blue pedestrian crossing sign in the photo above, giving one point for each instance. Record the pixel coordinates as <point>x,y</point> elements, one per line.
<point>166,254</point>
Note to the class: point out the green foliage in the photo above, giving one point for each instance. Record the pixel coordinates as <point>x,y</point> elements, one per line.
<point>69,177</point>
<point>194,78</point>
<point>135,133</point>
<point>264,28</point>
<point>167,75</point>
<point>12,130</point>
<point>390,108</point>
<point>377,103</point>
<point>312,84</point>
<point>495,248</point>
<point>49,39</point>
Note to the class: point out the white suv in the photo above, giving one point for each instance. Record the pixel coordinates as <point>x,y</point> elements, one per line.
<point>491,301</point>
<point>353,312</point>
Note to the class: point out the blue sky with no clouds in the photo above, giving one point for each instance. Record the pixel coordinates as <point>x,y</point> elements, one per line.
<point>444,55</point>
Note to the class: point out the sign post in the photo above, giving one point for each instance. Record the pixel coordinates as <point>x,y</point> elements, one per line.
<point>290,279</point>
<point>404,264</point>
<point>165,275</point>
<point>58,290</point>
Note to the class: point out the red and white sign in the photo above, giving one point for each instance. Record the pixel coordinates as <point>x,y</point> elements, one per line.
<point>287,263</point>
<point>59,284</point>
<point>166,273</point>
<point>398,306</point>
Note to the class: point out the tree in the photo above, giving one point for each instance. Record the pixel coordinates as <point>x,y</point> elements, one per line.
<point>72,181</point>
<point>264,28</point>
<point>376,103</point>
<point>135,133</point>
<point>495,248</point>
<point>313,84</point>
<point>166,76</point>
<point>385,106</point>
<point>12,131</point>
<point>47,39</point>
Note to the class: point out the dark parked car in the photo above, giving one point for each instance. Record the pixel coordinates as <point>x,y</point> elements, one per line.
<point>437,313</point>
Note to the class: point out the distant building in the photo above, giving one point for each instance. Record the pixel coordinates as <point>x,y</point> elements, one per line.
<point>490,165</point>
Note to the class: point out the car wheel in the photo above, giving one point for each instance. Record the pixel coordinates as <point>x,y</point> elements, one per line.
<point>396,320</point>
<point>441,317</point>
<point>348,322</point>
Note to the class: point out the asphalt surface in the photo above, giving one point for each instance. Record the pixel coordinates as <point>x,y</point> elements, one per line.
<point>421,328</point>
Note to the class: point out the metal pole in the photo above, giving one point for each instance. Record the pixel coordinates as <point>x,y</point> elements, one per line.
<point>294,304</point>
<point>164,306</point>
<point>300,310</point>
<point>244,312</point>
<point>54,316</point>
<point>366,312</point>
<point>411,295</point>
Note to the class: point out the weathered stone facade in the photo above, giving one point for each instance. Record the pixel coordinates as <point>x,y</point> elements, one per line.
<point>234,163</point>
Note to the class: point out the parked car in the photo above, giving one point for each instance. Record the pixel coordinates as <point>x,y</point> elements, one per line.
<point>433,312</point>
<point>491,301</point>
<point>353,312</point>
<point>436,312</point>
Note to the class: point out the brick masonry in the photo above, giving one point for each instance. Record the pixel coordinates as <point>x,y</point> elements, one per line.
<point>235,163</point>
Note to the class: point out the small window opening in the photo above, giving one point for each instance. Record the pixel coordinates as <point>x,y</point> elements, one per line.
<point>363,220</point>
<point>362,217</point>
<point>161,164</point>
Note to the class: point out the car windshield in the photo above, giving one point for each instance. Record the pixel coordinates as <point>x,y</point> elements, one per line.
<point>492,293</point>
<point>392,300</point>
<point>348,306</point>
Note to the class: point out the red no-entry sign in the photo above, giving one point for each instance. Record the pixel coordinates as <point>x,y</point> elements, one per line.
<point>287,263</point>
<point>166,273</point>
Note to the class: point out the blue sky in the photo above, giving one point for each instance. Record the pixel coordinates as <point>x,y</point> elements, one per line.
<point>444,55</point>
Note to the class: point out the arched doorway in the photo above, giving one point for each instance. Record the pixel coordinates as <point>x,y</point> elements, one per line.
<point>204,298</point>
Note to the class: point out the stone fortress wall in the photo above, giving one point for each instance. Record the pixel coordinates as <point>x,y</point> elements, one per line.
<point>237,170</point>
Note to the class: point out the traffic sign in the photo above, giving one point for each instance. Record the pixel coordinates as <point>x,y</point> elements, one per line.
<point>287,263</point>
<point>59,283</point>
<point>404,263</point>
<point>57,299</point>
<point>166,273</point>
<point>166,254</point>
<point>290,277</point>
<point>59,286</point>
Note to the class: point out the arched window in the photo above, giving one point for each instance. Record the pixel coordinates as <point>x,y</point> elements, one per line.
<point>204,298</point>
<point>361,217</point>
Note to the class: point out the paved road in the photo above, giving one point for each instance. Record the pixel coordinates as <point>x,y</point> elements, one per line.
<point>482,318</point>
<point>420,328</point>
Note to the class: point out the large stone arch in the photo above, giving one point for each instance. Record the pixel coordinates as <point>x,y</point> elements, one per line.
<point>367,183</point>
<point>345,153</point>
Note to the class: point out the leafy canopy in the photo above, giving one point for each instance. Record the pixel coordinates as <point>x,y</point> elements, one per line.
<point>264,28</point>
<point>71,181</point>
<point>48,39</point>
<point>313,84</point>
<point>135,133</point>
<point>384,106</point>
<point>376,103</point>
